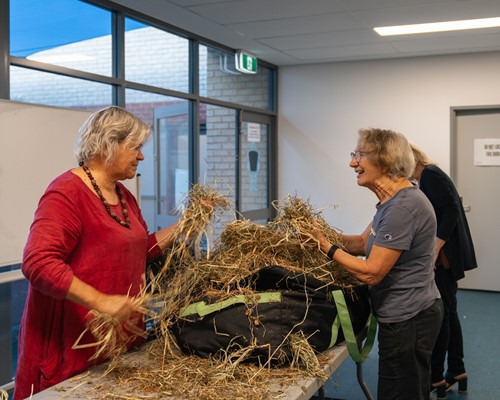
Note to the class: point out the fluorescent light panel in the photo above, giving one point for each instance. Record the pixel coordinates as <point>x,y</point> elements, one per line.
<point>438,26</point>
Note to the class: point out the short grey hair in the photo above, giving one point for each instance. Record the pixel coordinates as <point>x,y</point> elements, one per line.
<point>389,150</point>
<point>106,129</point>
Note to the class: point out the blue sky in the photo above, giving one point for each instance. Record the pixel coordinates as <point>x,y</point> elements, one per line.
<point>42,24</point>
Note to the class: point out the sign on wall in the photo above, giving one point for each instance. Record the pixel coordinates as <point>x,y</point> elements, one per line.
<point>253,132</point>
<point>245,62</point>
<point>487,152</point>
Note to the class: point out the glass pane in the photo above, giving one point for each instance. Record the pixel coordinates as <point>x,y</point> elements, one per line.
<point>220,80</point>
<point>12,298</point>
<point>31,86</point>
<point>218,155</point>
<point>253,166</point>
<point>58,32</point>
<point>155,57</point>
<point>172,152</point>
<point>160,112</point>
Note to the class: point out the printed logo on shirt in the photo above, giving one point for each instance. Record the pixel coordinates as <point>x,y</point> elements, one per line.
<point>387,237</point>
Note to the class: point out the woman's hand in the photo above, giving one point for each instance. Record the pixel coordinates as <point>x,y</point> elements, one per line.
<point>122,308</point>
<point>208,205</point>
<point>204,205</point>
<point>317,234</point>
<point>118,306</point>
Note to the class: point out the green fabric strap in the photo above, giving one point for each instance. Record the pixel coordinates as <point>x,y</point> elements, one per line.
<point>345,321</point>
<point>201,308</point>
<point>335,331</point>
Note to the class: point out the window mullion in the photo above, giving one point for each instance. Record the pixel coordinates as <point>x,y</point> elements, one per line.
<point>118,49</point>
<point>4,49</point>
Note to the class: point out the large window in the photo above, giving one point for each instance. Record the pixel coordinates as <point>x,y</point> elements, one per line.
<point>71,34</point>
<point>210,124</point>
<point>156,57</point>
<point>33,86</point>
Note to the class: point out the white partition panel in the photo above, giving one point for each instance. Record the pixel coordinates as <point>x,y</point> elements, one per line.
<point>36,145</point>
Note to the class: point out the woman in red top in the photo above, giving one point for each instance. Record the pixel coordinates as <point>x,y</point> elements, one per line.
<point>87,249</point>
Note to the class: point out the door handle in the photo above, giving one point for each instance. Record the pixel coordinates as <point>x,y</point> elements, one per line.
<point>466,208</point>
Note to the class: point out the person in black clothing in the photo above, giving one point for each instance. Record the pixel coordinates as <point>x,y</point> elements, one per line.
<point>453,256</point>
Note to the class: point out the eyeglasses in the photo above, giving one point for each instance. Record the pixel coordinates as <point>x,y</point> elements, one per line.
<point>359,155</point>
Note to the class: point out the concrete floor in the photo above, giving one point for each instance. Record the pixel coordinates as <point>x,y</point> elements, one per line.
<point>480,312</point>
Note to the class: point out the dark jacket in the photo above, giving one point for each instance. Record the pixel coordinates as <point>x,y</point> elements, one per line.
<point>452,223</point>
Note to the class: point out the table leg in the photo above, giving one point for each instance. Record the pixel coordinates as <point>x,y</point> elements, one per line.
<point>362,384</point>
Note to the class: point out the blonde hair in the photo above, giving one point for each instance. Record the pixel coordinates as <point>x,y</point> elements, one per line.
<point>105,130</point>
<point>390,150</point>
<point>420,157</point>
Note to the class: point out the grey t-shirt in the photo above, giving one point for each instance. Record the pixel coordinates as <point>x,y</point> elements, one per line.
<point>406,222</point>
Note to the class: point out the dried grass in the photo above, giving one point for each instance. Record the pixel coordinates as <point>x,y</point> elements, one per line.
<point>111,338</point>
<point>184,377</point>
<point>191,273</point>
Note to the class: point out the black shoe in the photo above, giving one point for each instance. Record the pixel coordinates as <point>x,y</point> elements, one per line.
<point>462,382</point>
<point>440,388</point>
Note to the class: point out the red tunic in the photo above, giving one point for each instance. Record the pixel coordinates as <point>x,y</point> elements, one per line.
<point>73,235</point>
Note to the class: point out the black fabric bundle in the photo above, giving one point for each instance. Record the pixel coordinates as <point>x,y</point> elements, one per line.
<point>280,303</point>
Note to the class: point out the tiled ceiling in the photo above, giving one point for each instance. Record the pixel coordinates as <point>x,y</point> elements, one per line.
<point>292,32</point>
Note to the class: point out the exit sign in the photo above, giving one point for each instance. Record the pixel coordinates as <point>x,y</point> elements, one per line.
<point>246,63</point>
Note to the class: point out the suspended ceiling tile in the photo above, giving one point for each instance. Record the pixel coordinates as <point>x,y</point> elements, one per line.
<point>262,10</point>
<point>326,39</point>
<point>294,26</point>
<point>416,14</point>
<point>343,52</point>
<point>443,43</point>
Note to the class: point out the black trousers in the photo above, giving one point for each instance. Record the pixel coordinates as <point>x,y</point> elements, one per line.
<point>450,340</point>
<point>405,350</point>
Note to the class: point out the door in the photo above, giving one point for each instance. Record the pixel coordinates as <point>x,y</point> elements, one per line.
<point>479,187</point>
<point>171,150</point>
<point>255,168</point>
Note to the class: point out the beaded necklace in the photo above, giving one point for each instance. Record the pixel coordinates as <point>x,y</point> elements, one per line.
<point>125,223</point>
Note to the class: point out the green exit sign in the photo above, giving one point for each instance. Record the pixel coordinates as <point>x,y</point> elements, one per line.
<point>246,63</point>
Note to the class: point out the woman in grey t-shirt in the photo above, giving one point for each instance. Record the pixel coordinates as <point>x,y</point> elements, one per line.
<point>398,246</point>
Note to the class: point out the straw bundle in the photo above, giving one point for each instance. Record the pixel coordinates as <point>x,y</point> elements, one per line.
<point>112,340</point>
<point>190,274</point>
<point>184,377</point>
<point>199,205</point>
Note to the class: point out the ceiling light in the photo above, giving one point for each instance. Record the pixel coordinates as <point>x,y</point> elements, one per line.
<point>438,26</point>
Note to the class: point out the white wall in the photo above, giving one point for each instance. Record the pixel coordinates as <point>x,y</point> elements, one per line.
<point>322,107</point>
<point>36,145</point>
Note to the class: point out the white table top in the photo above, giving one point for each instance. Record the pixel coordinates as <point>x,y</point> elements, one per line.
<point>83,386</point>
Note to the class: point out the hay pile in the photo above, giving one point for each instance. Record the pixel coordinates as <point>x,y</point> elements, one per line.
<point>188,377</point>
<point>191,273</point>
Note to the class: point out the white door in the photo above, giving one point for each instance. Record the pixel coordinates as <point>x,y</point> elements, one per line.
<point>479,187</point>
